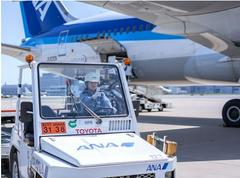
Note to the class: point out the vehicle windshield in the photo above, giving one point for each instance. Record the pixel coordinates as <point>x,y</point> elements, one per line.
<point>79,91</point>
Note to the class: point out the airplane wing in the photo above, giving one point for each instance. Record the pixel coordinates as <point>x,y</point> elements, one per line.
<point>214,24</point>
<point>15,51</point>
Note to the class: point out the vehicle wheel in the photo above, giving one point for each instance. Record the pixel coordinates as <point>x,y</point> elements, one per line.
<point>164,105</point>
<point>14,167</point>
<point>13,119</point>
<point>160,109</point>
<point>149,110</point>
<point>231,113</point>
<point>140,108</point>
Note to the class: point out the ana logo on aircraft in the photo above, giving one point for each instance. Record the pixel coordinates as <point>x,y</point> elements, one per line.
<point>42,7</point>
<point>107,145</point>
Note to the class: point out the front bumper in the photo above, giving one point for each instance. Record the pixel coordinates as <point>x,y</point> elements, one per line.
<point>51,167</point>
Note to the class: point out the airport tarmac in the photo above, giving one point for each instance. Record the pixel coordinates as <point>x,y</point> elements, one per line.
<point>206,149</point>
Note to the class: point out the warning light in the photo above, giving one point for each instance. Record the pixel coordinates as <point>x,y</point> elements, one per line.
<point>127,61</point>
<point>151,139</point>
<point>29,58</point>
<point>171,148</point>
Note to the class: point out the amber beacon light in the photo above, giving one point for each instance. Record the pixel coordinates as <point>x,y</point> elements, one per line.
<point>127,61</point>
<point>29,58</point>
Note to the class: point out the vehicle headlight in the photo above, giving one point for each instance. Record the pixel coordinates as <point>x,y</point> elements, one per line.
<point>170,174</point>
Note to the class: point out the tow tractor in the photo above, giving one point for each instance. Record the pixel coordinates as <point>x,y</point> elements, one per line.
<point>145,102</point>
<point>60,136</point>
<point>149,105</point>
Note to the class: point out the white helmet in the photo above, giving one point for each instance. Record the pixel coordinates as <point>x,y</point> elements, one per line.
<point>92,77</point>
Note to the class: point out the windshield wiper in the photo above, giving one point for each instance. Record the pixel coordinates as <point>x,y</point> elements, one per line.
<point>73,100</point>
<point>91,112</point>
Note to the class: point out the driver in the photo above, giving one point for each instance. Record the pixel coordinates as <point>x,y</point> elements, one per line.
<point>96,100</point>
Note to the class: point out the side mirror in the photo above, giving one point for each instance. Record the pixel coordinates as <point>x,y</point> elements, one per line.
<point>136,105</point>
<point>26,112</point>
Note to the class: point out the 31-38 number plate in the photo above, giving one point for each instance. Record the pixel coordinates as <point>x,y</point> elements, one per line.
<point>53,127</point>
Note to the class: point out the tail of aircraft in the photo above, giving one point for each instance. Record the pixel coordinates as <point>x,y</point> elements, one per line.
<point>41,16</point>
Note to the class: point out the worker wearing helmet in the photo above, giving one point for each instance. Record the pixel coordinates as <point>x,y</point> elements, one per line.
<point>96,100</point>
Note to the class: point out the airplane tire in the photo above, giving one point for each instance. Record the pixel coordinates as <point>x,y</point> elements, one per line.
<point>231,113</point>
<point>14,167</point>
<point>160,108</point>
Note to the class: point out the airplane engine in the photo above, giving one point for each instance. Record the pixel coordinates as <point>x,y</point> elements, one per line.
<point>214,69</point>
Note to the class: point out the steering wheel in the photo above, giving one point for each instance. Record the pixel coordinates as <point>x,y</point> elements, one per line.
<point>115,97</point>
<point>104,111</point>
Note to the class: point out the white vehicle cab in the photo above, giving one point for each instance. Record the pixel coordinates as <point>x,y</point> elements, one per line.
<point>62,136</point>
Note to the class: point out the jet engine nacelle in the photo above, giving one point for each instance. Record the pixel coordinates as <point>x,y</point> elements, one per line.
<point>213,70</point>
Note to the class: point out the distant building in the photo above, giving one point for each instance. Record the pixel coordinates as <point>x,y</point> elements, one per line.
<point>9,89</point>
<point>56,91</point>
<point>205,90</point>
<point>12,89</point>
<point>53,85</point>
<point>48,81</point>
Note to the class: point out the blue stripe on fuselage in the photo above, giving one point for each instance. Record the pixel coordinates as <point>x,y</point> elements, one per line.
<point>131,29</point>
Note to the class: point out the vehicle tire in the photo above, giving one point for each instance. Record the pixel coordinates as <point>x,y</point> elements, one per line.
<point>149,110</point>
<point>231,113</point>
<point>140,108</point>
<point>160,109</point>
<point>14,172</point>
<point>13,119</point>
<point>164,105</point>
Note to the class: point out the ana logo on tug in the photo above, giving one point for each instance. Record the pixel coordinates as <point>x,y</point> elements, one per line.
<point>107,145</point>
<point>156,167</point>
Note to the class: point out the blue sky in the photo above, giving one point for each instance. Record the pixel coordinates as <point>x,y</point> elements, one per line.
<point>12,32</point>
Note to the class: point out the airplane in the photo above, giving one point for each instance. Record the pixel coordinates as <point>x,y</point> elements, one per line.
<point>211,23</point>
<point>53,34</point>
<point>153,92</point>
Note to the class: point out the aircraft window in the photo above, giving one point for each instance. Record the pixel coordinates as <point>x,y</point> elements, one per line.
<point>75,38</point>
<point>67,86</point>
<point>141,28</point>
<point>128,29</point>
<point>81,38</point>
<point>109,33</point>
<point>115,31</point>
<point>134,28</point>
<point>78,38</point>
<point>103,34</point>
<point>98,35</point>
<point>121,30</point>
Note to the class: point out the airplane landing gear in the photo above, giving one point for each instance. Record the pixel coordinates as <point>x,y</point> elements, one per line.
<point>231,113</point>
